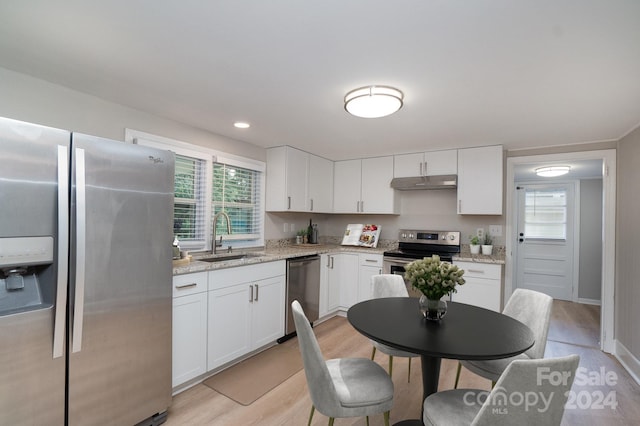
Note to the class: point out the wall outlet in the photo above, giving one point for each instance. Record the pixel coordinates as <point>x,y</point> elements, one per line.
<point>480,233</point>
<point>495,230</point>
<point>293,227</point>
<point>285,228</point>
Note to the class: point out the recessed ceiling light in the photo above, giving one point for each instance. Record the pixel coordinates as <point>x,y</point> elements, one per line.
<point>552,171</point>
<point>373,101</point>
<point>241,125</point>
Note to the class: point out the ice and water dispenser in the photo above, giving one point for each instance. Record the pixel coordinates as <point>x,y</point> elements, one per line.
<point>27,277</point>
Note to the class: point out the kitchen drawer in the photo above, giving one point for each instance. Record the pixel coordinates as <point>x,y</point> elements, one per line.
<point>480,270</point>
<point>227,277</point>
<point>184,285</point>
<point>371,260</point>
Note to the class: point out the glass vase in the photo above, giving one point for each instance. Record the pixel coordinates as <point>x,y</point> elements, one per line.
<point>432,309</point>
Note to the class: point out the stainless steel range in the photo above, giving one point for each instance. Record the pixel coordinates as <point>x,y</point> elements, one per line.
<point>416,244</point>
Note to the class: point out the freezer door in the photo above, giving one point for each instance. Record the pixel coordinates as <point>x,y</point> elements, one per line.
<point>32,379</point>
<point>120,274</point>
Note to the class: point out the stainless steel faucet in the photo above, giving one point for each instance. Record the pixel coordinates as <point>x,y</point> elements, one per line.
<point>215,243</point>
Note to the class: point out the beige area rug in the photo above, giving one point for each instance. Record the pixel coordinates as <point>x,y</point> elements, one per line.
<point>250,379</point>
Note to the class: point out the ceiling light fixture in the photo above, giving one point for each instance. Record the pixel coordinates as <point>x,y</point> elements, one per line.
<point>552,171</point>
<point>241,125</point>
<point>373,101</point>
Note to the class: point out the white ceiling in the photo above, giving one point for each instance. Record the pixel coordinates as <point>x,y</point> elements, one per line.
<point>523,73</point>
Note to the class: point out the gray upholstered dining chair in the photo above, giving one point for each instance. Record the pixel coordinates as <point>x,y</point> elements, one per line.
<point>390,285</point>
<point>531,308</point>
<point>344,387</point>
<point>530,392</point>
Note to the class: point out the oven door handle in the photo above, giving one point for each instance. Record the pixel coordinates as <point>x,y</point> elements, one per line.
<point>396,261</point>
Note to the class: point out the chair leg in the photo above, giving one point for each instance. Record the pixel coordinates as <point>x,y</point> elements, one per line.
<point>409,373</point>
<point>455,385</point>
<point>386,416</point>
<point>390,366</point>
<point>373,353</point>
<point>367,420</point>
<point>313,409</point>
<point>331,420</point>
<point>493,384</point>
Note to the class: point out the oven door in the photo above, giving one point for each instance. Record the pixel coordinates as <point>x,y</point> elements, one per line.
<point>394,265</point>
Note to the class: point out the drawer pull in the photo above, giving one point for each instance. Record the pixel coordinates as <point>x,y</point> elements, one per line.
<point>186,285</point>
<point>371,260</point>
<point>478,271</point>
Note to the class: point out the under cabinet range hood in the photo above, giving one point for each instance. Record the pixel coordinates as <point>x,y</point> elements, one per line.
<point>425,182</point>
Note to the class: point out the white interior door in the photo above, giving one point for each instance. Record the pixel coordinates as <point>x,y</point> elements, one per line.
<point>545,239</point>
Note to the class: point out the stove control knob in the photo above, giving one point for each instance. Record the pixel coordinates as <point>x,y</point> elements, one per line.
<point>452,237</point>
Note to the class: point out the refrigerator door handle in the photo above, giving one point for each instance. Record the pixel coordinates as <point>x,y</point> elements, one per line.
<point>60,316</point>
<point>81,218</point>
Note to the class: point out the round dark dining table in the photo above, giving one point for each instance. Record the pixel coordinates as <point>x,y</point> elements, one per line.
<point>466,332</point>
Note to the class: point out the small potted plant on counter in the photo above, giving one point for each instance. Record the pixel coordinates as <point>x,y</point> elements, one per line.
<point>474,244</point>
<point>300,236</point>
<point>487,246</point>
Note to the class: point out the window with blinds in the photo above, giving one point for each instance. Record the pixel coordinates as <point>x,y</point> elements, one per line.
<point>236,191</point>
<point>546,214</point>
<point>207,182</point>
<point>190,201</point>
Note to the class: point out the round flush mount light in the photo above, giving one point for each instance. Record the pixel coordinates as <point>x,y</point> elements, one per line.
<point>373,101</point>
<point>552,171</point>
<point>241,125</point>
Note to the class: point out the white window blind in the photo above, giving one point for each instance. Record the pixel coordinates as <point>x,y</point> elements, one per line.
<point>546,214</point>
<point>189,210</point>
<point>236,191</point>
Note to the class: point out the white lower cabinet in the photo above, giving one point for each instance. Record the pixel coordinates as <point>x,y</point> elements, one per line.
<point>483,286</point>
<point>338,282</point>
<point>246,310</point>
<point>370,265</point>
<point>189,327</point>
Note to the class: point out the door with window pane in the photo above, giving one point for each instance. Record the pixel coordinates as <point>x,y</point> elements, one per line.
<point>545,245</point>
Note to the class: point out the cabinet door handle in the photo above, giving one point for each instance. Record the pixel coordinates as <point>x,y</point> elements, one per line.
<point>361,206</point>
<point>328,261</point>
<point>331,262</point>
<point>288,203</point>
<point>425,168</point>
<point>257,288</point>
<point>186,285</point>
<point>251,298</point>
<point>421,166</point>
<point>459,206</point>
<point>312,204</point>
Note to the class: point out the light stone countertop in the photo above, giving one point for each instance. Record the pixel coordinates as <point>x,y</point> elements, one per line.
<point>269,254</point>
<point>282,250</point>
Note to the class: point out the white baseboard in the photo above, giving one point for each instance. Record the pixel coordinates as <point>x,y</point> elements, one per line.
<point>589,301</point>
<point>628,361</point>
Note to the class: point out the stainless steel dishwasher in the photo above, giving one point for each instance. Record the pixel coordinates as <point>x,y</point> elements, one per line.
<point>303,285</point>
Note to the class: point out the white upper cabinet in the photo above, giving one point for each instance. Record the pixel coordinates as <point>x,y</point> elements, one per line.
<point>298,181</point>
<point>430,163</point>
<point>480,176</point>
<point>362,186</point>
<point>320,184</point>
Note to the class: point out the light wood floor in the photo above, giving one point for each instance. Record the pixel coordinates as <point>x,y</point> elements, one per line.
<point>574,329</point>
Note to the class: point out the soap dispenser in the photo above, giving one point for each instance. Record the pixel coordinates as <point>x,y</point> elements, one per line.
<point>176,248</point>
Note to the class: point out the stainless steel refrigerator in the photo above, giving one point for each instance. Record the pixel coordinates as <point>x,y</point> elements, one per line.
<point>85,279</point>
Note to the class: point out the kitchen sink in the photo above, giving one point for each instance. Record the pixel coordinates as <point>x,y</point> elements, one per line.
<point>228,257</point>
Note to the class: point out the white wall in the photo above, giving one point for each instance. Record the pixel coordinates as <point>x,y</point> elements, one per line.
<point>430,210</point>
<point>627,295</point>
<point>28,99</point>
